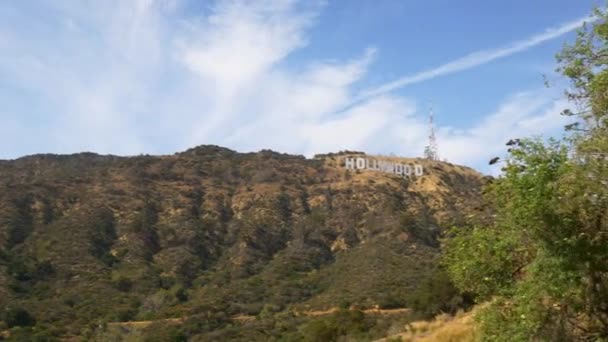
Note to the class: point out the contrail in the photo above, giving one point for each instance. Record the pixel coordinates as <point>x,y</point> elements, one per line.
<point>474,59</point>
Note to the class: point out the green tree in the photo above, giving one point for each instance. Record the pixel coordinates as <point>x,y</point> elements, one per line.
<point>283,206</point>
<point>102,233</point>
<point>144,226</point>
<point>520,260</point>
<point>542,264</point>
<point>20,222</point>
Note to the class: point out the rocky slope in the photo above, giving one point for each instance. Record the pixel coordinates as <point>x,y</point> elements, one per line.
<point>87,239</point>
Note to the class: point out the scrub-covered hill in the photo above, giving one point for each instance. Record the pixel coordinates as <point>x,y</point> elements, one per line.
<point>210,235</point>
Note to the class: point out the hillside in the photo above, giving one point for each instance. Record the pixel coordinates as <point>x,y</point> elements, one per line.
<point>207,235</point>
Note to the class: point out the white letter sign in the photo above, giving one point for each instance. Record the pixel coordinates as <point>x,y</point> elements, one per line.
<point>404,170</point>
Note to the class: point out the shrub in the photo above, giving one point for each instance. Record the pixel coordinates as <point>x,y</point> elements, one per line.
<point>18,317</point>
<point>123,284</point>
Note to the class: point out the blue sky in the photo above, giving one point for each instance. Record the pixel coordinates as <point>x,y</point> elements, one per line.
<point>304,77</point>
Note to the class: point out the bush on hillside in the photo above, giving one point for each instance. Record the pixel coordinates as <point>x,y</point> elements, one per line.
<point>18,317</point>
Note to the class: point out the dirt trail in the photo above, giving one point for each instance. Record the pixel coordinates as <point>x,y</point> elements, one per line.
<point>143,324</point>
<point>246,318</point>
<point>374,311</point>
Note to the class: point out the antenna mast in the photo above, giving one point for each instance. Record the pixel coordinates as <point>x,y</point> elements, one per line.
<point>430,151</point>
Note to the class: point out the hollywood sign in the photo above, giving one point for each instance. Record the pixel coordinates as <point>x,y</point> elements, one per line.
<point>404,170</point>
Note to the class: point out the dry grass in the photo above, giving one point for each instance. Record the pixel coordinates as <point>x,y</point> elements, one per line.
<point>444,328</point>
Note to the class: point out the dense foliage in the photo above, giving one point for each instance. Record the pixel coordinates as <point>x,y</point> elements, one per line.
<point>541,266</point>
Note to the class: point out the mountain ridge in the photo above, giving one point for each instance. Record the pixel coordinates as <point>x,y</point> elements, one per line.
<point>217,231</point>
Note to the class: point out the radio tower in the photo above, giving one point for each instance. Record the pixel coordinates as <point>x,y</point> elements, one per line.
<point>430,151</point>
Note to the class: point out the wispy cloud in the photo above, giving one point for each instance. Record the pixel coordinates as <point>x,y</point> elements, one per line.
<point>475,59</point>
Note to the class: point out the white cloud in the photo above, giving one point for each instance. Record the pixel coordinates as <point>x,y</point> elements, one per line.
<point>370,126</point>
<point>240,40</point>
<point>287,101</point>
<point>146,76</point>
<point>475,59</point>
<point>90,80</point>
<point>522,115</point>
